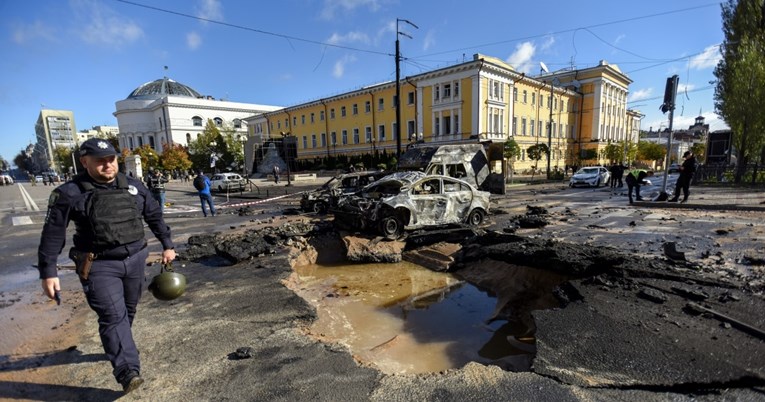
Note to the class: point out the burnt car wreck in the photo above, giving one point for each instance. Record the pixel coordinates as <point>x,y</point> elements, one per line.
<point>411,200</point>
<point>327,196</point>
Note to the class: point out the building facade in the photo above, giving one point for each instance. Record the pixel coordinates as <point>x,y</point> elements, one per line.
<point>165,112</point>
<point>97,132</point>
<point>54,128</point>
<point>682,140</point>
<point>483,100</point>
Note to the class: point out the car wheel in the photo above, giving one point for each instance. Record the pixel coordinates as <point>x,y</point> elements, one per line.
<point>598,183</point>
<point>475,217</point>
<point>320,207</point>
<point>391,227</point>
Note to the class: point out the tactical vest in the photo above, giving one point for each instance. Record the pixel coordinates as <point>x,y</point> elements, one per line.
<point>113,215</point>
<point>636,172</point>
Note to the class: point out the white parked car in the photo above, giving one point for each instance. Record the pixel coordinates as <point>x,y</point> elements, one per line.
<point>226,182</point>
<point>6,179</point>
<point>593,176</point>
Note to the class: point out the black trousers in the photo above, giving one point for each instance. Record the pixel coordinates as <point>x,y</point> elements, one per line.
<point>632,183</point>
<point>684,184</point>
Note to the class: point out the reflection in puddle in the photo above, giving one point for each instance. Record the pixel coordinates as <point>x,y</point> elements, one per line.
<point>407,319</point>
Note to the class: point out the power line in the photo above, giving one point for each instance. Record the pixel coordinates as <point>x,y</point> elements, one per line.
<point>260,31</point>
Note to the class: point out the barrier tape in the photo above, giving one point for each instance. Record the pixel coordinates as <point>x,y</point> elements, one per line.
<point>241,204</point>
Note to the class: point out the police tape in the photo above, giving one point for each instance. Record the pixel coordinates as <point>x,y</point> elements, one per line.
<point>244,204</point>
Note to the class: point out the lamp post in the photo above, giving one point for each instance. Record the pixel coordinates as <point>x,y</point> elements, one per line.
<point>553,83</point>
<point>213,156</point>
<point>285,147</point>
<point>398,84</point>
<point>243,140</point>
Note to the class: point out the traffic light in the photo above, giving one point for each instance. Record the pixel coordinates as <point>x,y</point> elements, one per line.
<point>670,91</point>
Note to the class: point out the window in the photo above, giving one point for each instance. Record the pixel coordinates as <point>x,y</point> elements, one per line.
<point>515,94</point>
<point>381,133</point>
<point>294,121</point>
<point>313,140</point>
<point>323,140</point>
<point>333,138</point>
<point>456,89</point>
<point>196,121</point>
<point>332,113</point>
<point>409,128</point>
<point>140,141</point>
<point>305,142</point>
<point>218,122</point>
<point>342,111</point>
<point>130,142</point>
<point>541,100</point>
<point>447,90</point>
<point>410,98</point>
<point>447,124</point>
<point>313,117</point>
<point>279,124</point>
<point>321,115</point>
<point>368,133</point>
<point>355,135</point>
<point>302,119</point>
<point>395,101</point>
<point>355,109</point>
<point>533,99</point>
<point>160,123</point>
<point>437,127</point>
<point>515,125</point>
<point>237,123</point>
<point>555,103</point>
<point>525,96</point>
<point>345,137</point>
<point>188,138</point>
<point>151,141</point>
<point>436,92</point>
<point>381,104</point>
<point>456,123</point>
<point>523,125</point>
<point>393,131</point>
<point>531,127</point>
<point>367,107</point>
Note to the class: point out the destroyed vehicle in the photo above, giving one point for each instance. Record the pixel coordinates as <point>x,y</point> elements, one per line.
<point>468,162</point>
<point>326,196</point>
<point>412,200</point>
<point>592,176</point>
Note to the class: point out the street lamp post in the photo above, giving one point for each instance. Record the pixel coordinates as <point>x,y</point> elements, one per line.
<point>213,155</point>
<point>398,84</point>
<point>285,147</point>
<point>243,140</point>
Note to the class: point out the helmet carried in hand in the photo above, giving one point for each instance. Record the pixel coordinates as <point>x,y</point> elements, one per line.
<point>168,285</point>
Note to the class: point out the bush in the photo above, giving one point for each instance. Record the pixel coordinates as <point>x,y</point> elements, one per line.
<point>555,175</point>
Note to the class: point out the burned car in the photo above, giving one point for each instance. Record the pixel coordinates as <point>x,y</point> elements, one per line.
<point>326,196</point>
<point>412,200</point>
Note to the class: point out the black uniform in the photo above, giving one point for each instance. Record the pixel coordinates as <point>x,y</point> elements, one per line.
<point>634,179</point>
<point>687,169</point>
<point>112,229</point>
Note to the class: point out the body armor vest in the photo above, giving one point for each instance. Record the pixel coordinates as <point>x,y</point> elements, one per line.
<point>114,218</point>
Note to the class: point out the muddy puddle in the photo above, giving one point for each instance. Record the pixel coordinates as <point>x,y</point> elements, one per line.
<point>404,318</point>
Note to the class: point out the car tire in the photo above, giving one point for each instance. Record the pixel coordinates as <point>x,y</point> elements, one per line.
<point>391,227</point>
<point>598,183</point>
<point>475,217</point>
<point>320,208</point>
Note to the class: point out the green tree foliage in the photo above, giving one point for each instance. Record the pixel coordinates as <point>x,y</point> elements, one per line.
<point>699,150</point>
<point>589,155</point>
<point>201,149</point>
<point>63,158</point>
<point>740,90</point>
<point>612,153</point>
<point>536,152</point>
<point>149,157</point>
<point>175,157</point>
<point>511,151</point>
<point>650,152</point>
<point>4,165</point>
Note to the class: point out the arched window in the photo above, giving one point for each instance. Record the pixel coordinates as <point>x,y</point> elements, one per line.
<point>140,141</point>
<point>151,141</point>
<point>237,123</point>
<point>130,143</point>
<point>218,122</point>
<point>197,121</point>
<point>188,138</point>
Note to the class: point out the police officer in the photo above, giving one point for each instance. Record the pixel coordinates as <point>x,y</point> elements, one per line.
<point>156,184</point>
<point>634,179</point>
<point>106,207</point>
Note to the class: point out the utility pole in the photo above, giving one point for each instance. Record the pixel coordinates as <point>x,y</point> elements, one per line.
<point>398,84</point>
<point>670,92</point>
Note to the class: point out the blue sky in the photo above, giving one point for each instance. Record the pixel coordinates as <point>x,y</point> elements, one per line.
<point>85,55</point>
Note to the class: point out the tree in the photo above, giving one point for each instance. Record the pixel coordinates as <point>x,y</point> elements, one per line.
<point>613,153</point>
<point>535,153</point>
<point>650,151</point>
<point>62,157</point>
<point>175,157</point>
<point>699,150</point>
<point>149,157</point>
<point>202,153</point>
<point>511,152</point>
<point>740,88</point>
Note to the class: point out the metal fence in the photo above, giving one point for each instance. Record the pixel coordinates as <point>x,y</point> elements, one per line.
<point>753,175</point>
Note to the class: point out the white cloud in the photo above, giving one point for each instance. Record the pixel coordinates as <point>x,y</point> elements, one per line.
<point>101,25</point>
<point>707,59</point>
<point>339,70</point>
<point>210,10</point>
<point>685,87</point>
<point>332,6</point>
<point>193,40</point>
<point>429,40</point>
<point>27,33</point>
<point>521,58</point>
<point>350,37</point>
<point>640,94</point>
<point>549,41</point>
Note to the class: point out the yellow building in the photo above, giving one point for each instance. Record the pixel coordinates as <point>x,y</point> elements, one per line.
<point>483,100</point>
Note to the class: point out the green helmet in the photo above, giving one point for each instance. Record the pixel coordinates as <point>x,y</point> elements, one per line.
<point>168,285</point>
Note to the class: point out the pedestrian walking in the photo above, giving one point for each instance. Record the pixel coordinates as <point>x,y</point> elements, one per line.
<point>636,178</point>
<point>687,169</point>
<point>109,249</point>
<point>276,174</point>
<point>156,181</point>
<point>614,170</point>
<point>202,184</point>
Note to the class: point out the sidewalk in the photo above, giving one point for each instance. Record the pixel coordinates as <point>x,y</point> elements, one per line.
<point>716,198</point>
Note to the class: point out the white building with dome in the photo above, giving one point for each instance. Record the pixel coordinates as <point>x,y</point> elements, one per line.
<point>164,112</point>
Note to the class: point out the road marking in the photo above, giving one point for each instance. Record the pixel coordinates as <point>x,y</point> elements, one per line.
<point>28,201</point>
<point>21,220</point>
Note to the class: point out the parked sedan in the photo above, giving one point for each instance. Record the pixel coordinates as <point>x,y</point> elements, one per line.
<point>412,200</point>
<point>592,176</point>
<point>227,182</point>
<point>326,196</point>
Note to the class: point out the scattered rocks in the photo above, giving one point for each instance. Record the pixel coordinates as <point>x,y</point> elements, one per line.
<point>670,250</point>
<point>653,295</point>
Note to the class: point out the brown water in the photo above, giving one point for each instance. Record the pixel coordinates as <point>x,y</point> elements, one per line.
<point>406,319</point>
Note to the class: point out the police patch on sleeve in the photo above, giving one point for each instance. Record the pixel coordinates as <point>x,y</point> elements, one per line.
<point>132,190</point>
<point>51,202</point>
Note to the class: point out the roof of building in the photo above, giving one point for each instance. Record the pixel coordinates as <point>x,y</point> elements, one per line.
<point>163,87</point>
